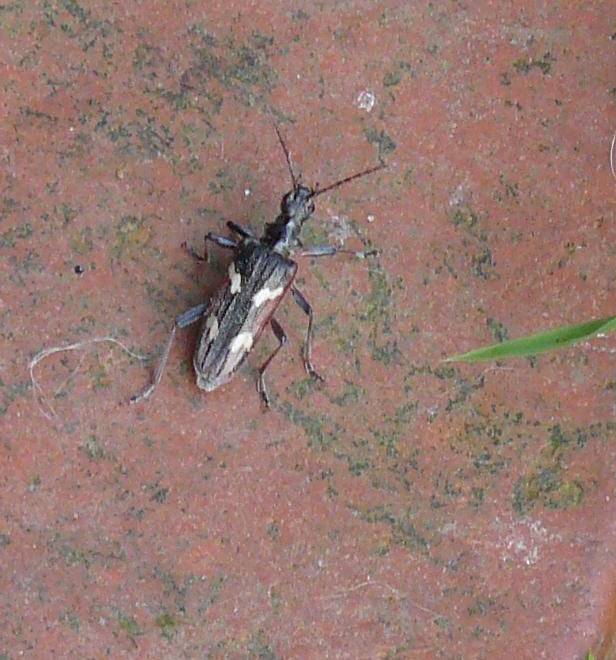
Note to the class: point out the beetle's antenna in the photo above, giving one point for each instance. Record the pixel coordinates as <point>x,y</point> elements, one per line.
<point>348,178</point>
<point>287,156</point>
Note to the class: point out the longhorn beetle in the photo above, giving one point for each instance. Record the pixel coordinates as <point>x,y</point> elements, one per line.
<point>260,274</point>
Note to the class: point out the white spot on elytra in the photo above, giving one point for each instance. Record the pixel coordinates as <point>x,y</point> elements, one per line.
<point>235,279</point>
<point>212,325</point>
<point>243,342</point>
<point>266,294</point>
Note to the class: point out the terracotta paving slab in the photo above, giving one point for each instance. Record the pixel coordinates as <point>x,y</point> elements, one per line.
<point>406,508</point>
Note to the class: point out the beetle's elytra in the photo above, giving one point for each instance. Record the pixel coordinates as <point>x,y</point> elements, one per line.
<point>259,276</point>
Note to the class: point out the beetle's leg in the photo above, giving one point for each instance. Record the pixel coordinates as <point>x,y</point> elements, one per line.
<point>244,233</point>
<point>282,339</point>
<point>222,241</point>
<point>307,352</point>
<point>330,251</point>
<point>189,316</point>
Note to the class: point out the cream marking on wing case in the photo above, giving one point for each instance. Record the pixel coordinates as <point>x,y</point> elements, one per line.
<point>266,294</point>
<point>212,325</point>
<point>243,342</point>
<point>235,279</point>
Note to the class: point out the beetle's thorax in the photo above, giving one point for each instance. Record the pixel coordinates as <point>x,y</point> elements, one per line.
<point>295,208</point>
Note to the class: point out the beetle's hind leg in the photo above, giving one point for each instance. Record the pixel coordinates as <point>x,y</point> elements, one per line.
<point>282,339</point>
<point>187,318</point>
<point>307,352</point>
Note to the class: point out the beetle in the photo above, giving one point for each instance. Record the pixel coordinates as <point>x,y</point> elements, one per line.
<point>259,276</point>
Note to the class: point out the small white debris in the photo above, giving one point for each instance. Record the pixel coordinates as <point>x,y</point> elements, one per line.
<point>341,229</point>
<point>458,196</point>
<point>243,342</point>
<point>370,218</point>
<point>247,192</point>
<point>266,294</point>
<point>365,100</point>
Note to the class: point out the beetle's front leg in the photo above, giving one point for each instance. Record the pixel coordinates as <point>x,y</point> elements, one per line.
<point>282,339</point>
<point>187,318</point>
<point>330,251</point>
<point>307,352</point>
<point>221,241</point>
<point>244,233</point>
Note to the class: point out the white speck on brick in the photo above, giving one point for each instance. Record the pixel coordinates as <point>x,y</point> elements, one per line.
<point>341,229</point>
<point>365,100</point>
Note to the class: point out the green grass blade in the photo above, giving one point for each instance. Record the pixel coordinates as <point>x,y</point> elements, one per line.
<point>539,343</point>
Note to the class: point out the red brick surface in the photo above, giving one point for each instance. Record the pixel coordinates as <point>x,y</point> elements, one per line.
<point>406,508</point>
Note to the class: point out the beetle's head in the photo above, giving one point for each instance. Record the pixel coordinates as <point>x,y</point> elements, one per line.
<point>297,204</point>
